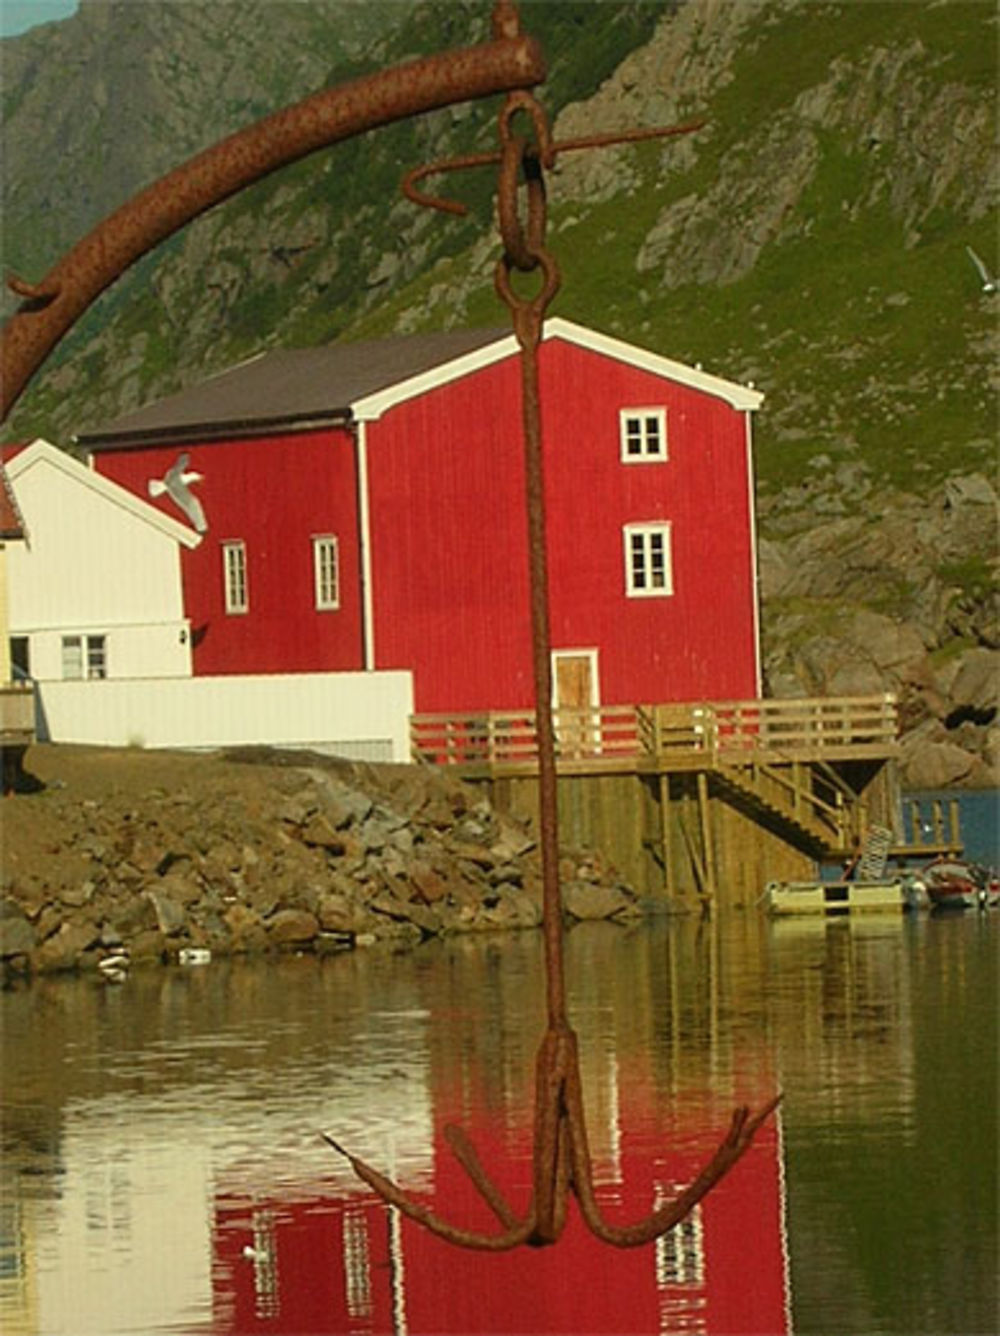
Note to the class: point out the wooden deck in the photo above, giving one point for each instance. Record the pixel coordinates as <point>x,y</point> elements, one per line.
<point>692,796</point>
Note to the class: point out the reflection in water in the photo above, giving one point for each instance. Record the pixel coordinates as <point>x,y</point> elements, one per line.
<point>163,1169</point>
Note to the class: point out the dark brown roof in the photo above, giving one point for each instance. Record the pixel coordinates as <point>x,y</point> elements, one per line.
<point>288,387</point>
<point>11,523</point>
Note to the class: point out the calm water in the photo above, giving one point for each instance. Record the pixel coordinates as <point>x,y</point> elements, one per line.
<point>163,1170</point>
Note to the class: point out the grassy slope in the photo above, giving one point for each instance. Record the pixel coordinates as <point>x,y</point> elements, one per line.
<point>811,320</point>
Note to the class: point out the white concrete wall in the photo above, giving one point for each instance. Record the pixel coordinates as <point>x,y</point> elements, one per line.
<point>362,715</point>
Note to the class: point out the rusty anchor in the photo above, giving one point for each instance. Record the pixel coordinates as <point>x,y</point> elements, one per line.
<point>510,63</point>
<point>561,1162</point>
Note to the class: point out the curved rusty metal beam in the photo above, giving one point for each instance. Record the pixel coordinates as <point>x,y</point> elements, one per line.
<point>51,306</point>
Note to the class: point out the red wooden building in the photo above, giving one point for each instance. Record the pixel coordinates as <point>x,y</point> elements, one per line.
<point>365,509</point>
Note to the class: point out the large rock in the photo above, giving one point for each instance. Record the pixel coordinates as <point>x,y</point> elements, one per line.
<point>935,764</point>
<point>62,951</point>
<point>170,916</point>
<point>977,682</point>
<point>590,900</point>
<point>17,936</point>
<point>292,927</point>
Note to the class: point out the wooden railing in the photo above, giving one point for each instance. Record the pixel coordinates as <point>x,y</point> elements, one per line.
<point>791,727</point>
<point>498,737</point>
<point>719,733</point>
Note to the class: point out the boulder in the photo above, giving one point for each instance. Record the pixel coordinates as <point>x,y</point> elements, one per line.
<point>935,765</point>
<point>977,682</point>
<point>590,900</point>
<point>170,916</point>
<point>319,832</point>
<point>17,936</point>
<point>512,907</point>
<point>62,951</point>
<point>339,913</point>
<point>292,927</point>
<point>427,883</point>
<point>246,931</point>
<point>427,920</point>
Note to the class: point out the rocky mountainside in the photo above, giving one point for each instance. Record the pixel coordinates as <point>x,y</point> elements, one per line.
<point>813,237</point>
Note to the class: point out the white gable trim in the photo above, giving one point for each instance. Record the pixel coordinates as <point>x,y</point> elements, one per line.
<point>738,396</point>
<point>42,452</point>
<point>372,406</point>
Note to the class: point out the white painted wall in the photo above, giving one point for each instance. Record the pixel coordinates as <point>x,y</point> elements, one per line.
<point>361,715</point>
<point>141,650</point>
<point>98,561</point>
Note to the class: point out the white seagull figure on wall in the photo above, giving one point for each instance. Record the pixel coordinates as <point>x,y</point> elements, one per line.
<point>989,282</point>
<point>176,483</point>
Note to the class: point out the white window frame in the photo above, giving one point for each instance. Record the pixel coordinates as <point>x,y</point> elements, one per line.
<point>90,660</point>
<point>72,658</point>
<point>641,539</point>
<point>234,577</point>
<point>645,429</point>
<point>326,572</point>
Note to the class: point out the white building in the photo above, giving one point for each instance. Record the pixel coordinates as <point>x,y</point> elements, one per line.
<point>97,621</point>
<point>96,591</point>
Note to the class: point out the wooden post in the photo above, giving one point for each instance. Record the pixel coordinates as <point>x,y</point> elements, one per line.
<point>665,838</point>
<point>706,834</point>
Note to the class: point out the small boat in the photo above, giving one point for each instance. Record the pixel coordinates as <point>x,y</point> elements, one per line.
<point>837,897</point>
<point>952,883</point>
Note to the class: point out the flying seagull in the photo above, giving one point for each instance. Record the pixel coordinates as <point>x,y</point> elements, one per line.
<point>176,483</point>
<point>989,282</point>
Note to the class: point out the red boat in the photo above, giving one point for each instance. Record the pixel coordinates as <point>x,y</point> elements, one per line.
<point>952,883</point>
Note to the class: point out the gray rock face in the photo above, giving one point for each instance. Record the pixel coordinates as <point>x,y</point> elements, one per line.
<point>939,654</point>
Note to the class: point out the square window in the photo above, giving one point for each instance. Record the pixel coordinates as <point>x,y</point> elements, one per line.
<point>234,574</point>
<point>648,561</point>
<point>643,435</point>
<point>84,657</point>
<point>326,573</point>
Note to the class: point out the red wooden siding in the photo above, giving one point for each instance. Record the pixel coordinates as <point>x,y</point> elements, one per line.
<point>449,565</point>
<point>449,543</point>
<point>449,539</point>
<point>275,493</point>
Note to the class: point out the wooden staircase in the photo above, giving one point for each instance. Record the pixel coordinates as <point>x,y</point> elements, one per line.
<point>818,824</point>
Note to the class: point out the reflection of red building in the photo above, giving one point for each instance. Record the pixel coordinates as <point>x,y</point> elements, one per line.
<point>345,1264</point>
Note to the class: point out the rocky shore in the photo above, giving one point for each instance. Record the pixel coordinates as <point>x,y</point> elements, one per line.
<point>119,857</point>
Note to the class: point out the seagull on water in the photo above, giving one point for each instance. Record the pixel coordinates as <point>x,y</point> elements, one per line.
<point>176,483</point>
<point>989,282</point>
